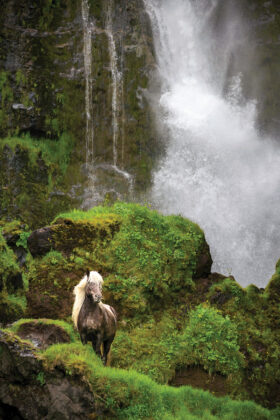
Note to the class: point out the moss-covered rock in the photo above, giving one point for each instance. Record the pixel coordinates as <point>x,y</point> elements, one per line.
<point>10,275</point>
<point>43,82</point>
<point>65,234</point>
<point>273,287</point>
<point>12,308</point>
<point>31,184</point>
<point>27,390</point>
<point>69,381</point>
<point>148,260</point>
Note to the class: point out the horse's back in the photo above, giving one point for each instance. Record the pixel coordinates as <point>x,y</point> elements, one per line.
<point>110,317</point>
<point>111,309</point>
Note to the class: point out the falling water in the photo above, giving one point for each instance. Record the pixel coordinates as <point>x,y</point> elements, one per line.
<point>105,178</point>
<point>217,169</point>
<point>117,98</point>
<point>116,82</point>
<point>87,29</point>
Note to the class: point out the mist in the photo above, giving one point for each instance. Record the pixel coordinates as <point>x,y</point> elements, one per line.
<point>218,169</point>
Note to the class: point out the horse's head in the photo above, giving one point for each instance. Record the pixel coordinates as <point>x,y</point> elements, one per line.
<point>94,286</point>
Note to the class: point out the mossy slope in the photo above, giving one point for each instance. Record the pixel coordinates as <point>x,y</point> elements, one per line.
<point>74,370</point>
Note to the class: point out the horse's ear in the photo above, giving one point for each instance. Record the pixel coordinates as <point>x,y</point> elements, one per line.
<point>87,273</point>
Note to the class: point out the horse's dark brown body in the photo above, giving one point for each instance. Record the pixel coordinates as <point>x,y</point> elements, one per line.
<point>97,323</point>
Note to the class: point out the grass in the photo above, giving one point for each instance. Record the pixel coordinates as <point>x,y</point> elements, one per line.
<point>62,324</point>
<point>130,395</point>
<point>53,151</point>
<point>151,252</point>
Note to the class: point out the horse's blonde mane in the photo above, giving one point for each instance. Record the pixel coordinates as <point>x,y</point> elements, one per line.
<point>79,292</point>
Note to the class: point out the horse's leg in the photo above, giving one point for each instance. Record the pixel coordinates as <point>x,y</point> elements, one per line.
<point>96,344</point>
<point>83,337</point>
<point>107,346</point>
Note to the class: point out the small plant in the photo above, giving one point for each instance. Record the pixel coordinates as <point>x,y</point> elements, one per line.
<point>22,241</point>
<point>41,378</point>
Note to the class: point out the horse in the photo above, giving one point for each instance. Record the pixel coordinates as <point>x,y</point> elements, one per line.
<point>95,321</point>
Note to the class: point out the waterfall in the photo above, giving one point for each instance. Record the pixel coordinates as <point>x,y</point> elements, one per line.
<point>87,30</point>
<point>117,99</point>
<point>103,177</point>
<point>217,170</point>
<point>116,82</point>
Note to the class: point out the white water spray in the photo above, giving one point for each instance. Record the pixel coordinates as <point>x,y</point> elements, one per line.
<point>87,30</point>
<point>217,170</point>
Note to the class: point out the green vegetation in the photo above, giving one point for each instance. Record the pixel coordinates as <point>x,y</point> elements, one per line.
<point>34,172</point>
<point>127,394</point>
<point>149,259</point>
<point>211,340</point>
<point>8,266</point>
<point>56,152</point>
<point>169,317</point>
<point>59,323</point>
<point>12,299</point>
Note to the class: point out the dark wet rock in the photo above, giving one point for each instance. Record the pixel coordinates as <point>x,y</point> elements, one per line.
<point>219,298</point>
<point>40,241</point>
<point>14,282</point>
<point>28,391</point>
<point>11,238</point>
<point>204,262</point>
<point>197,377</point>
<point>273,287</point>
<point>43,335</point>
<point>42,69</point>
<point>65,235</point>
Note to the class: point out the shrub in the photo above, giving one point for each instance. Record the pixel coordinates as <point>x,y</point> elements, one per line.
<point>211,340</point>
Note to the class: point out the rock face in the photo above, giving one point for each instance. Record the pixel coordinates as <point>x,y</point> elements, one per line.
<point>65,235</point>
<point>28,392</point>
<point>43,335</point>
<point>43,83</point>
<point>40,241</point>
<point>123,244</point>
<point>28,185</point>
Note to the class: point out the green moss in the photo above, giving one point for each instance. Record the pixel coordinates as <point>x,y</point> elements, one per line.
<point>127,394</point>
<point>33,171</point>
<point>211,340</point>
<point>54,152</point>
<point>225,290</point>
<point>149,265</point>
<point>62,324</point>
<point>149,259</point>
<point>8,266</point>
<point>272,290</point>
<point>11,308</point>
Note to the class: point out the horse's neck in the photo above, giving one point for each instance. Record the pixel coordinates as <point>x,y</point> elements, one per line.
<point>90,306</point>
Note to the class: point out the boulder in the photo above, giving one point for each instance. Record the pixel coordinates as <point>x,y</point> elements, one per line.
<point>43,335</point>
<point>66,234</point>
<point>28,391</point>
<point>14,282</point>
<point>40,242</point>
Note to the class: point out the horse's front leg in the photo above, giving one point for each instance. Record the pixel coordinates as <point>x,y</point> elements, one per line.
<point>83,337</point>
<point>106,348</point>
<point>96,344</point>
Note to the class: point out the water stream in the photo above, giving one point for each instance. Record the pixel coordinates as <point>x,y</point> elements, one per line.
<point>87,30</point>
<point>104,177</point>
<point>117,100</point>
<point>217,170</point>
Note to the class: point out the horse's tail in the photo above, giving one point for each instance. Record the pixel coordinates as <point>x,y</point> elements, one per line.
<point>79,292</point>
